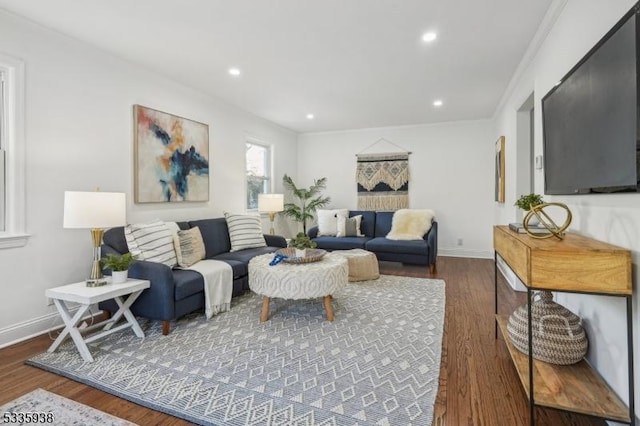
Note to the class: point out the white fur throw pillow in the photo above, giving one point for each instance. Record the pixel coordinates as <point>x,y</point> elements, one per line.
<point>328,221</point>
<point>410,224</point>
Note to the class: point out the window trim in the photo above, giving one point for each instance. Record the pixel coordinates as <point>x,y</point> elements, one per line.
<point>14,234</point>
<point>254,141</point>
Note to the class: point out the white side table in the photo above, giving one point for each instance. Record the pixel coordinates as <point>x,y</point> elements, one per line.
<point>87,296</point>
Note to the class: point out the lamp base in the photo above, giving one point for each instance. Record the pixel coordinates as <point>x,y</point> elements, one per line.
<point>96,282</point>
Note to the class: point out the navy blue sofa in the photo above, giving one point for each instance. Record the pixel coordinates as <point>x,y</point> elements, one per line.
<point>175,292</point>
<point>375,226</point>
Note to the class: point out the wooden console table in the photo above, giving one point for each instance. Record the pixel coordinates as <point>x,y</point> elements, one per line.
<point>576,264</point>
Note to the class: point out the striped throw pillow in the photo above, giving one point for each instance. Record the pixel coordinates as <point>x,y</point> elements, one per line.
<point>191,248</point>
<point>245,231</point>
<point>151,241</point>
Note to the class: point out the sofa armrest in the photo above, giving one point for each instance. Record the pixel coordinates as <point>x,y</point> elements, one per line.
<point>431,238</point>
<point>158,301</point>
<point>275,240</point>
<point>312,232</point>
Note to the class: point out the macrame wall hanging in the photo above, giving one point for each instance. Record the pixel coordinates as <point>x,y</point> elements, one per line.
<point>383,179</point>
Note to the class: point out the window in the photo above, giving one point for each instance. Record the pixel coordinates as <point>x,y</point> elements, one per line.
<point>12,181</point>
<point>258,164</point>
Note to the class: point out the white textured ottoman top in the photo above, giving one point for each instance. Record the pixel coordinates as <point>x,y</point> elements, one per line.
<point>298,281</point>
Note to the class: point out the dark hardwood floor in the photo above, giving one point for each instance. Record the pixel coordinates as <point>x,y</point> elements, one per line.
<point>478,383</point>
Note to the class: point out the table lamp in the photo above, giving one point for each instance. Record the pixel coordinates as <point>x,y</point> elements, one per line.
<point>271,203</point>
<point>95,211</point>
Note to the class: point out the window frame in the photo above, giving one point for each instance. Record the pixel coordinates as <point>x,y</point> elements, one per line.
<point>269,167</point>
<point>13,117</point>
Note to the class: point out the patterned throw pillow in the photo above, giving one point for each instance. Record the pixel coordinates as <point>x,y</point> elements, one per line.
<point>151,241</point>
<point>349,226</point>
<point>245,231</point>
<point>328,222</point>
<point>191,247</point>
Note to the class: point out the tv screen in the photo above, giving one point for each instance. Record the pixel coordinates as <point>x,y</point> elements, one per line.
<point>590,119</point>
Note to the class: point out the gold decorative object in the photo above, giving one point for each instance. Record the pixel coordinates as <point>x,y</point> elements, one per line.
<point>546,221</point>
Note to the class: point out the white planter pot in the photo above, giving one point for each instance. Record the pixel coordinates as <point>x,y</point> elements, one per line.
<point>119,277</point>
<point>301,252</point>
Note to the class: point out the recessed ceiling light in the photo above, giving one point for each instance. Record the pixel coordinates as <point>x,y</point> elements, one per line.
<point>437,103</point>
<point>234,71</point>
<point>429,37</point>
<point>310,116</point>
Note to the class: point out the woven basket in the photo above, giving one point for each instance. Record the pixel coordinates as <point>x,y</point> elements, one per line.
<point>558,335</point>
<point>313,255</point>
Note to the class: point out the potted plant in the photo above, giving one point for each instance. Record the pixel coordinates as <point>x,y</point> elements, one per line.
<point>525,202</point>
<point>119,266</point>
<point>309,200</point>
<point>301,243</point>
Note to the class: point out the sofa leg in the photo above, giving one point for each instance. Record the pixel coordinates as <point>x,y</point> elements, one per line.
<point>165,328</point>
<point>432,268</point>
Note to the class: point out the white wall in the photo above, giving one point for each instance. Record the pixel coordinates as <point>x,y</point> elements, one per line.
<point>611,218</point>
<point>79,136</point>
<point>451,167</point>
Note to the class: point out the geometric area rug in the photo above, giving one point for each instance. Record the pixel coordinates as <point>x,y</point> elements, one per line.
<point>41,406</point>
<point>377,363</point>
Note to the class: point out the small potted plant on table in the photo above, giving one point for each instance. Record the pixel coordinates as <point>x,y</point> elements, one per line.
<point>525,202</point>
<point>119,265</point>
<point>301,243</point>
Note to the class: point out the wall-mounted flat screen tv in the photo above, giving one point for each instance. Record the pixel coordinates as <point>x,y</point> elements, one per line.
<point>590,119</point>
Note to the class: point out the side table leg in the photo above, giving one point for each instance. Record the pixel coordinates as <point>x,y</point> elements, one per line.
<point>124,310</point>
<point>328,308</point>
<point>264,315</point>
<point>71,329</point>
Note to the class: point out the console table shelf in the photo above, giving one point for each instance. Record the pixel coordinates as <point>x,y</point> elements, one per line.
<point>577,388</point>
<point>576,264</point>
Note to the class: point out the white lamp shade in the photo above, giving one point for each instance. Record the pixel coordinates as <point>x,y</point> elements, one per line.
<point>94,209</point>
<point>270,202</point>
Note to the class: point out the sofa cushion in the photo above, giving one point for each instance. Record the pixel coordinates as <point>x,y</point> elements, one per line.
<point>239,268</point>
<point>215,235</point>
<point>383,223</point>
<point>384,245</point>
<point>245,255</point>
<point>345,243</point>
<point>114,238</point>
<point>245,231</point>
<point>187,283</point>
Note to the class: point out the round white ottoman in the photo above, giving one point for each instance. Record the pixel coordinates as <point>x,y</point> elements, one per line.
<point>363,265</point>
<point>297,281</point>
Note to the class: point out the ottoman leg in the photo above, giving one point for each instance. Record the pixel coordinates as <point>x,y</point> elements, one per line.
<point>264,315</point>
<point>327,307</point>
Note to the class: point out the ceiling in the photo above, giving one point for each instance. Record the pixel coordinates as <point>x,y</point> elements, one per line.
<point>352,63</point>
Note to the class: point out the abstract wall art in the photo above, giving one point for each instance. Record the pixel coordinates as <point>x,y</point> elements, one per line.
<point>171,156</point>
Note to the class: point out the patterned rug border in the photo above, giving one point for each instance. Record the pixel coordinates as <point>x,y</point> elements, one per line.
<point>133,397</point>
<point>62,409</point>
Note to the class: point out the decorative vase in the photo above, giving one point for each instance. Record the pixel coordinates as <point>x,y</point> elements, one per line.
<point>301,252</point>
<point>119,277</point>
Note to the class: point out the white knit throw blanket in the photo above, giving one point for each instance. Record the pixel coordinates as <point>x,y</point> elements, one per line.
<point>218,285</point>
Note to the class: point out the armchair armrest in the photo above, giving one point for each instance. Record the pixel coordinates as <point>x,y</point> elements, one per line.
<point>275,240</point>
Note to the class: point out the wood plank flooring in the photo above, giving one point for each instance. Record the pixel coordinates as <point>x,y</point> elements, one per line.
<point>478,383</point>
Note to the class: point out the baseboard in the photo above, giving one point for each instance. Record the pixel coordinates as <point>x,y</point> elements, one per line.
<point>458,252</point>
<point>19,332</point>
